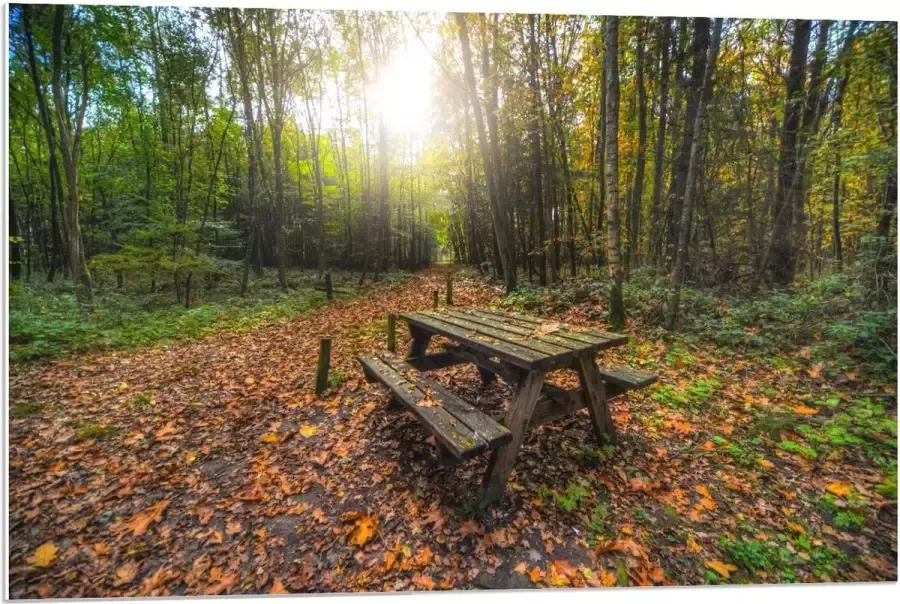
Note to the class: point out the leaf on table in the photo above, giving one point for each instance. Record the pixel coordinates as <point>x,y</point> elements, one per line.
<point>44,556</point>
<point>428,402</point>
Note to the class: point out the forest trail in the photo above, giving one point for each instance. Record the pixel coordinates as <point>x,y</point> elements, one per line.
<point>211,468</point>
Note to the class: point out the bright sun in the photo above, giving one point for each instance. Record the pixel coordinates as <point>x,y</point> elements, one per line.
<point>403,91</point>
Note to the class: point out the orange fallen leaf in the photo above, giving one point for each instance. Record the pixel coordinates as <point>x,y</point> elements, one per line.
<point>607,579</point>
<point>270,438</point>
<point>278,588</point>
<point>721,567</point>
<point>766,463</point>
<point>364,530</point>
<point>536,575</point>
<point>307,430</point>
<point>126,573</point>
<point>841,489</point>
<point>796,527</point>
<point>703,490</point>
<point>804,410</point>
<point>44,556</point>
<point>521,568</point>
<point>141,521</point>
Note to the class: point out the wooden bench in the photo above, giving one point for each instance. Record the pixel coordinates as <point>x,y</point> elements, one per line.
<point>460,429</point>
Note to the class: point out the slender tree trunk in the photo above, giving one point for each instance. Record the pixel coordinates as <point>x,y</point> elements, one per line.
<point>659,154</point>
<point>70,148</point>
<point>616,304</point>
<point>634,235</point>
<point>537,186</point>
<point>783,248</point>
<point>693,170</point>
<point>497,211</point>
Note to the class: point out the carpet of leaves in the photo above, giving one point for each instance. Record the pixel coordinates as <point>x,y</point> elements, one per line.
<point>211,468</point>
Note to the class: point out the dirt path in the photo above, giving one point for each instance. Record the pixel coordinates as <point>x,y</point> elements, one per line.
<point>210,468</point>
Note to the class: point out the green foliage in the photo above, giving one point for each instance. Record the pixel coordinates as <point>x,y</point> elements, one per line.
<point>47,320</point>
<point>91,431</point>
<point>574,496</point>
<point>24,410</point>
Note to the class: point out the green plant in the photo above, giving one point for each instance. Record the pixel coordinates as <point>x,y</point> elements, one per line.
<point>573,496</point>
<point>596,522</point>
<point>24,410</point>
<point>143,399</point>
<point>90,431</point>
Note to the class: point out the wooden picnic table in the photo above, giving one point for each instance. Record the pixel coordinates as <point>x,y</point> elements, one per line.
<point>523,350</point>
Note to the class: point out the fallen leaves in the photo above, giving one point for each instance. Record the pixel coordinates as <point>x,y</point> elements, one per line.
<point>840,489</point>
<point>270,438</point>
<point>44,556</point>
<point>364,527</point>
<point>126,573</point>
<point>721,567</point>
<point>141,521</point>
<point>307,431</point>
<point>804,410</point>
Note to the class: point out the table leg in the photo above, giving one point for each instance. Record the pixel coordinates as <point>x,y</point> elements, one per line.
<point>420,340</point>
<point>503,459</point>
<point>594,393</point>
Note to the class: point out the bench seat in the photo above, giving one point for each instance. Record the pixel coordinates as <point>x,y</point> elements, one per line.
<point>626,377</point>
<point>462,430</point>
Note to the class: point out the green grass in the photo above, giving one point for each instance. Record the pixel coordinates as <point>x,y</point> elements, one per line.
<point>48,321</point>
<point>91,431</point>
<point>24,410</point>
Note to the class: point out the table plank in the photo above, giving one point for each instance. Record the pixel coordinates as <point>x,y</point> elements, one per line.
<point>603,338</point>
<point>500,334</point>
<point>512,353</point>
<point>560,337</point>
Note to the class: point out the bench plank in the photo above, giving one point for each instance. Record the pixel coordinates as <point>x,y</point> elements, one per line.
<point>627,377</point>
<point>482,425</point>
<point>456,437</point>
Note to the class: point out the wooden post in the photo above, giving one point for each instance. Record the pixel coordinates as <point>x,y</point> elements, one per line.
<point>449,289</point>
<point>328,291</point>
<point>434,299</point>
<point>392,332</point>
<point>324,362</point>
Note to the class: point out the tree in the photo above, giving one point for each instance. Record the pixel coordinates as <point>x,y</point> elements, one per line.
<point>616,304</point>
<point>498,213</point>
<point>691,182</point>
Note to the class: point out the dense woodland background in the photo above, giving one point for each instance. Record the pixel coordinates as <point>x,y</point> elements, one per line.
<point>176,151</point>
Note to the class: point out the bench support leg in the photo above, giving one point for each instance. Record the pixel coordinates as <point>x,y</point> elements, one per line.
<point>517,419</point>
<point>487,377</point>
<point>595,396</point>
<point>420,340</point>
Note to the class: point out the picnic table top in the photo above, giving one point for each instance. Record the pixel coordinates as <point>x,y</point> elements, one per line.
<point>521,340</point>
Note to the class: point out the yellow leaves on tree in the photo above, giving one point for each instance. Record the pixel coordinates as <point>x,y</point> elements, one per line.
<point>44,556</point>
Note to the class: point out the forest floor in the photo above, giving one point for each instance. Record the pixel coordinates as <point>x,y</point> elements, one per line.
<point>211,468</point>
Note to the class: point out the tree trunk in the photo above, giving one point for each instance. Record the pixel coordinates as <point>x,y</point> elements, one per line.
<point>537,186</point>
<point>659,154</point>
<point>616,304</point>
<point>634,234</point>
<point>70,149</point>
<point>693,170</point>
<point>497,211</point>
<point>783,249</point>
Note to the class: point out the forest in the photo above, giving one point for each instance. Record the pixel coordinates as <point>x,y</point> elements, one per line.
<point>185,184</point>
